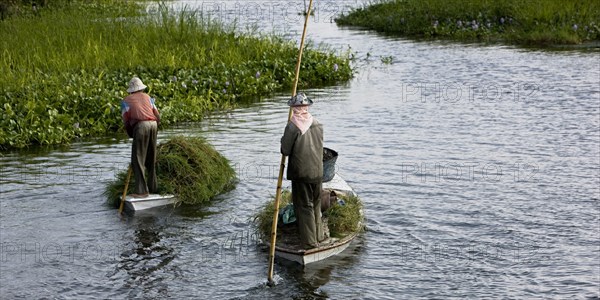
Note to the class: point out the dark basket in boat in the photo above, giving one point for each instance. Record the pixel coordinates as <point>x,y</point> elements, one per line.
<point>329,158</point>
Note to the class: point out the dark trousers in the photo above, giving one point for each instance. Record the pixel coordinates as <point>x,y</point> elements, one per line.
<point>143,156</point>
<point>307,207</point>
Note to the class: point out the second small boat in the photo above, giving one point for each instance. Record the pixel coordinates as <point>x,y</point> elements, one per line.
<point>287,243</point>
<point>153,200</point>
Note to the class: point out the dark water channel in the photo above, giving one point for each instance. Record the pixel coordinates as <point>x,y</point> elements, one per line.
<point>479,167</point>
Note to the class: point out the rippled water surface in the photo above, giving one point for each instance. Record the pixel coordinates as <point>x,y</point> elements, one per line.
<point>479,167</point>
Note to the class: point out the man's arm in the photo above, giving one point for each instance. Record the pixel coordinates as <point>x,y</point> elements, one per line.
<point>288,139</point>
<point>125,116</point>
<point>156,115</point>
<point>155,111</point>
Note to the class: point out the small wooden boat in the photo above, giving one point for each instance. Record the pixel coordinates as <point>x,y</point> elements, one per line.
<point>288,249</point>
<point>153,200</point>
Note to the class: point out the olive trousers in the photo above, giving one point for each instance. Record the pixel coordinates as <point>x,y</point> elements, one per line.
<point>306,198</point>
<point>143,156</point>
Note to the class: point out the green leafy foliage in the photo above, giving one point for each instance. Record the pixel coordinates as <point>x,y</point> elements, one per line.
<point>64,72</point>
<point>533,22</point>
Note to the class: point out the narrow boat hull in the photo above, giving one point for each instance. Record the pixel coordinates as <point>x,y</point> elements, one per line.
<point>153,200</point>
<point>304,257</point>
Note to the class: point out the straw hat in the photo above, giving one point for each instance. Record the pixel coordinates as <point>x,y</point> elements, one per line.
<point>300,100</point>
<point>135,85</point>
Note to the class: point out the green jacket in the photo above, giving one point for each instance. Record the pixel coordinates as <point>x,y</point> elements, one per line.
<point>305,152</point>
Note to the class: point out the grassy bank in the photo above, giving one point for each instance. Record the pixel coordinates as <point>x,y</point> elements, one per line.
<point>531,22</point>
<point>188,167</point>
<point>63,72</point>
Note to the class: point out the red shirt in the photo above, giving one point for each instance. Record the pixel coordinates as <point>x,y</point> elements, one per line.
<point>138,107</point>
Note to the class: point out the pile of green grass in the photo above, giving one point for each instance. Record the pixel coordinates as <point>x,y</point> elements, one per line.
<point>347,218</point>
<point>264,217</point>
<point>532,22</point>
<point>64,71</point>
<point>341,219</point>
<point>187,167</point>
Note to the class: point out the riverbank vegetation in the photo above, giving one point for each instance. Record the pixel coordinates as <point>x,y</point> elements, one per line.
<point>533,22</point>
<point>187,167</point>
<point>64,71</point>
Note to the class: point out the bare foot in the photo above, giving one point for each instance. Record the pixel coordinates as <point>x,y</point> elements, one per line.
<point>311,246</point>
<point>325,240</point>
<point>139,195</point>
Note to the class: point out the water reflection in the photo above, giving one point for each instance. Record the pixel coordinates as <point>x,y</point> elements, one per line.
<point>310,280</point>
<point>146,262</point>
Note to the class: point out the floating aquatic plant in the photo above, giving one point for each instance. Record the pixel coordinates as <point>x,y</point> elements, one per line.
<point>80,76</point>
<point>535,22</point>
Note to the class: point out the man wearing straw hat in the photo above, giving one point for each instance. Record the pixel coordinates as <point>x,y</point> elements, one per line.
<point>141,118</point>
<point>302,142</point>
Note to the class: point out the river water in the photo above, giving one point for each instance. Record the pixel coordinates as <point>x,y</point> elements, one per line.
<point>479,167</point>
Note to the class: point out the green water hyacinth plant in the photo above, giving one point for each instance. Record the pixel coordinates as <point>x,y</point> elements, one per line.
<point>69,81</point>
<point>533,22</point>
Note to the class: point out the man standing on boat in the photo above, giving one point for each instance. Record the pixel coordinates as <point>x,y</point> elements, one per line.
<point>302,142</point>
<point>141,118</point>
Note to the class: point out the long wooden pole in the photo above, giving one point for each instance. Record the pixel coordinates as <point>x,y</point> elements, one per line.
<point>125,189</point>
<point>282,164</point>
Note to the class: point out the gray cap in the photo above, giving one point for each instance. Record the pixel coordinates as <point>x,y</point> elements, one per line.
<point>300,100</point>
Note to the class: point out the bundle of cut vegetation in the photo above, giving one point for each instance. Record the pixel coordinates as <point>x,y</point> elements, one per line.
<point>80,56</point>
<point>188,167</point>
<point>345,218</point>
<point>342,218</point>
<point>532,22</point>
